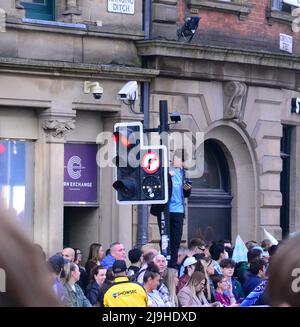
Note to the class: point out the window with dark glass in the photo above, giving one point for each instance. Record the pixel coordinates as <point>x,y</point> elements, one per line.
<point>212,177</point>
<point>284,5</point>
<point>39,9</point>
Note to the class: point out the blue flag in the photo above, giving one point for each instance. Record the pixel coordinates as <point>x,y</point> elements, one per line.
<point>255,295</point>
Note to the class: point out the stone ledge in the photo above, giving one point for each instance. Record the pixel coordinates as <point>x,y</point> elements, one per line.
<point>58,68</point>
<point>215,53</point>
<point>234,8</point>
<point>279,16</point>
<point>76,29</point>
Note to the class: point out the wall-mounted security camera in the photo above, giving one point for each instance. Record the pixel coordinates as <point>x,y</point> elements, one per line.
<point>94,88</point>
<point>295,105</point>
<point>129,91</point>
<point>175,117</point>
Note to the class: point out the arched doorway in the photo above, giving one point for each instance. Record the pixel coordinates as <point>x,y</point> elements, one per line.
<point>210,201</point>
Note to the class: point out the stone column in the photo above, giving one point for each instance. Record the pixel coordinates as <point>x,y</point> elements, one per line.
<point>72,14</point>
<point>267,135</point>
<point>49,178</point>
<point>164,17</point>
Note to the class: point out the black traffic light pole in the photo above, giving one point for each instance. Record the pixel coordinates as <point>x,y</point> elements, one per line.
<point>163,131</point>
<point>165,226</point>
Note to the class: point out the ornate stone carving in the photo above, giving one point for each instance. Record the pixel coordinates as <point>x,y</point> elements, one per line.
<point>72,8</point>
<point>58,128</point>
<point>234,94</point>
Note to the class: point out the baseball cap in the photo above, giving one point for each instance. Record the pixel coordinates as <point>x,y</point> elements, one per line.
<point>119,266</point>
<point>189,261</point>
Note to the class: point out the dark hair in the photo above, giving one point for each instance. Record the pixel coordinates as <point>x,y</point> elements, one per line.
<point>215,250</point>
<point>229,251</point>
<point>253,254</point>
<point>199,256</point>
<point>217,279</point>
<point>196,242</point>
<point>150,274</point>
<point>153,267</point>
<point>257,265</point>
<point>227,263</point>
<point>93,252</point>
<point>109,275</point>
<point>199,266</point>
<point>95,271</point>
<point>272,250</point>
<point>134,255</point>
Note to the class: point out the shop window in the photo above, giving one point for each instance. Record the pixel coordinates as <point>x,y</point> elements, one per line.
<point>39,9</point>
<point>16,180</point>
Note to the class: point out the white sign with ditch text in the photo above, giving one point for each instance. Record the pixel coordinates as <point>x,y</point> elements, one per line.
<point>286,43</point>
<point>121,6</point>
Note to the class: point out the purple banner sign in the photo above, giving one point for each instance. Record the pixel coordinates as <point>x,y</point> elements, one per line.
<point>80,173</point>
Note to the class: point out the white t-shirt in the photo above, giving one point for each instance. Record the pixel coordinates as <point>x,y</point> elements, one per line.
<point>155,299</point>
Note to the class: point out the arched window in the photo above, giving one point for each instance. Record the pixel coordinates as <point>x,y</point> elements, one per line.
<point>209,212</point>
<point>216,174</point>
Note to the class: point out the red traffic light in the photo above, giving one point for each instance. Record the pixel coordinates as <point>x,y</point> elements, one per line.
<point>120,138</point>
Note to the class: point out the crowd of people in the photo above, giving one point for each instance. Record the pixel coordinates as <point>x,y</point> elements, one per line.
<point>205,276</point>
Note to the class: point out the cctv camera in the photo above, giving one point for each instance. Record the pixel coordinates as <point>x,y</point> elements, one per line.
<point>94,88</point>
<point>129,91</point>
<point>175,117</point>
<point>97,96</point>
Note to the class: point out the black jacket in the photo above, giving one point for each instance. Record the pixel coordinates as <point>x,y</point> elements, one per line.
<point>92,293</point>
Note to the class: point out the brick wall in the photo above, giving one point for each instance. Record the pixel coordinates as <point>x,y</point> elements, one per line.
<point>226,28</point>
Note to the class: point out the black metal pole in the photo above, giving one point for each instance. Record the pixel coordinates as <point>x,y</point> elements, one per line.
<point>142,209</point>
<point>165,227</point>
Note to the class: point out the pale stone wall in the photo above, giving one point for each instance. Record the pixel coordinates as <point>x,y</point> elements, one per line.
<point>251,145</point>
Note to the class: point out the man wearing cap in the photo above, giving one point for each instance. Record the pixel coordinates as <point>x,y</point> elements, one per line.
<point>124,293</point>
<point>56,265</point>
<point>189,267</point>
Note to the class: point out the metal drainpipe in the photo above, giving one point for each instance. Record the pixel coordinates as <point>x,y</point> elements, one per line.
<point>142,228</point>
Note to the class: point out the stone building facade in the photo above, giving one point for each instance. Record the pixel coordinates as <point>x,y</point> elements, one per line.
<point>232,82</point>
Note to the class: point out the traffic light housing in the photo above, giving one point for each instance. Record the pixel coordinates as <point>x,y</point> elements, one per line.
<point>141,171</point>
